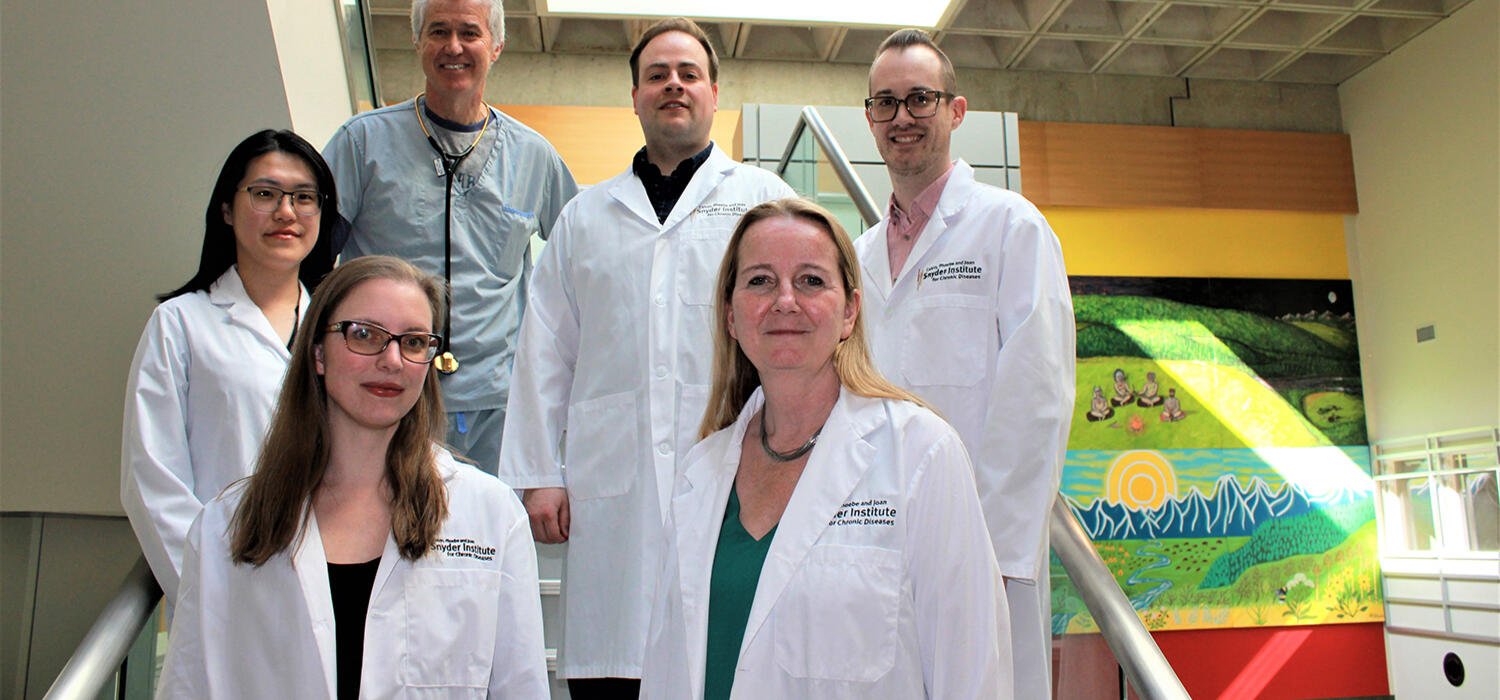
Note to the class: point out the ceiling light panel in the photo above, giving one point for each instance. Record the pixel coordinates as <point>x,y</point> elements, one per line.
<point>899,13</point>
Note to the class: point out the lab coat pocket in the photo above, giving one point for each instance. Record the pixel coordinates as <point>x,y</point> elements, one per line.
<point>698,258</point>
<point>957,327</point>
<point>602,449</point>
<point>837,619</point>
<point>450,628</point>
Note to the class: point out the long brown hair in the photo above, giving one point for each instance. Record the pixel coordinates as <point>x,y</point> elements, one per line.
<point>735,378</point>
<point>295,454</point>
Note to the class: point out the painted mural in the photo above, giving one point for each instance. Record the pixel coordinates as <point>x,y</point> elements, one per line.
<point>1217,455</point>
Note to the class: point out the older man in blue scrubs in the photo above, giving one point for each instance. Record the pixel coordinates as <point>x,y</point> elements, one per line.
<point>458,188</point>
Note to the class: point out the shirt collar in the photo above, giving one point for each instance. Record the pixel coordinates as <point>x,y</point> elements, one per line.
<point>646,170</point>
<point>925,203</point>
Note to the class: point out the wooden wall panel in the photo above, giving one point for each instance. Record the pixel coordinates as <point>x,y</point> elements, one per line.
<point>597,143</point>
<point>1110,165</point>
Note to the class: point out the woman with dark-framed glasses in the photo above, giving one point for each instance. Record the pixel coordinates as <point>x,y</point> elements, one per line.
<point>360,559</point>
<point>210,361</point>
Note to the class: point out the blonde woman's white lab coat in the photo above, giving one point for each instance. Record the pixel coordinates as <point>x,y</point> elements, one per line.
<point>879,583</point>
<point>616,350</point>
<point>465,621</point>
<point>202,388</point>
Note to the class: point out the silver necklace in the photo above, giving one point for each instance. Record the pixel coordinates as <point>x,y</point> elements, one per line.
<point>786,456</point>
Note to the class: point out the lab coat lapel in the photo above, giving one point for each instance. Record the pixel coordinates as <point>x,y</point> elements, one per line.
<point>702,499</point>
<point>229,292</point>
<point>955,195</point>
<point>838,462</point>
<point>704,182</point>
<point>630,192</point>
<point>390,557</point>
<point>311,565</point>
<point>877,266</point>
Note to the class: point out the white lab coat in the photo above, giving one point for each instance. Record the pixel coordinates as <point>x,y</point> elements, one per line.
<point>879,583</point>
<point>202,388</point>
<point>465,621</point>
<point>616,349</point>
<point>980,324</point>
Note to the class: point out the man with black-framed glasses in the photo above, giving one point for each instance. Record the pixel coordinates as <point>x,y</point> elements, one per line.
<point>967,305</point>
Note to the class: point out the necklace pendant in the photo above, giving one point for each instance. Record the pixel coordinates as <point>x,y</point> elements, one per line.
<point>446,363</point>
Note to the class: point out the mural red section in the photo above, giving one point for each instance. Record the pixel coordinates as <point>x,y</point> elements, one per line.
<point>1283,663</point>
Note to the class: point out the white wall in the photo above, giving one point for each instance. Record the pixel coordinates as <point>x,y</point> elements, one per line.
<point>1425,249</point>
<point>115,120</point>
<point>1425,127</point>
<point>312,66</point>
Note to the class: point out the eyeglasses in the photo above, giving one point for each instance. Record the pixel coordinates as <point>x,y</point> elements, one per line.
<point>267,199</point>
<point>364,338</point>
<point>920,105</point>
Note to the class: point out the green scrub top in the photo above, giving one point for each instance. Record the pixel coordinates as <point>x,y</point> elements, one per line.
<point>737,563</point>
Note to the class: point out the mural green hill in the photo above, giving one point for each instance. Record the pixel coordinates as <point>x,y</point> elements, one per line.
<point>1311,533</point>
<point>1147,327</point>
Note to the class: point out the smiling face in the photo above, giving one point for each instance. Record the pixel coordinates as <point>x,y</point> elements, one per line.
<point>788,309</point>
<point>277,240</point>
<point>373,392</point>
<point>674,97</point>
<point>456,47</point>
<point>914,148</point>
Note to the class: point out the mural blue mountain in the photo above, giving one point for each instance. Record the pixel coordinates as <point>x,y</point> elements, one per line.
<point>1232,511</point>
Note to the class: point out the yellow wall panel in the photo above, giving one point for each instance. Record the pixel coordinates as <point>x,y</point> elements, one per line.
<point>1200,243</point>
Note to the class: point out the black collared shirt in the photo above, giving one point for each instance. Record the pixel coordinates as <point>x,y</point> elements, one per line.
<point>665,190</point>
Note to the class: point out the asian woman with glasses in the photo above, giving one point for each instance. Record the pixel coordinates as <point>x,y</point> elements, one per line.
<point>211,358</point>
<point>360,559</point>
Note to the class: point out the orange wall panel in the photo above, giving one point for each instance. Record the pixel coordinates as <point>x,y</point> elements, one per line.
<point>1112,165</point>
<point>597,143</point>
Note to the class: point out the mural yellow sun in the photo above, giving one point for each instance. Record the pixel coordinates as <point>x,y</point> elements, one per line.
<point>1140,479</point>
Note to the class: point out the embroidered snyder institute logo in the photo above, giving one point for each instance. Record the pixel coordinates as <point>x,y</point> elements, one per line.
<point>871,511</point>
<point>464,547</point>
<point>734,209</point>
<point>955,270</point>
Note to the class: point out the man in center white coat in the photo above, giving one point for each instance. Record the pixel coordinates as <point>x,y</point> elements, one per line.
<point>968,307</point>
<point>615,352</point>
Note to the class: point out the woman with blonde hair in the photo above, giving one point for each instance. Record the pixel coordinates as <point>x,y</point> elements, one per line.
<point>825,539</point>
<point>360,559</point>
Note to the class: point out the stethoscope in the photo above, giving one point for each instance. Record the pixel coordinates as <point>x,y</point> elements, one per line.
<point>447,165</point>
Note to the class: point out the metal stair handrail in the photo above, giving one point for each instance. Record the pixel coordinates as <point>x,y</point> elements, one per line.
<point>108,641</point>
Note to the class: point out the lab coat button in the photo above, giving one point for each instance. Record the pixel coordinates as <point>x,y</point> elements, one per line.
<point>664,448</point>
<point>661,300</point>
<point>661,372</point>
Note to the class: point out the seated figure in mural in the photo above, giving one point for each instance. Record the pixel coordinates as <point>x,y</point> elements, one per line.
<point>1123,392</point>
<point>1099,406</point>
<point>1172,409</point>
<point>1148,395</point>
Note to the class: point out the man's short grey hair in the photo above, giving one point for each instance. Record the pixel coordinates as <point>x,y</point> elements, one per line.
<point>419,20</point>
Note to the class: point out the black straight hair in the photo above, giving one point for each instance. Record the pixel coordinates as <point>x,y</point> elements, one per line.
<point>218,235</point>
